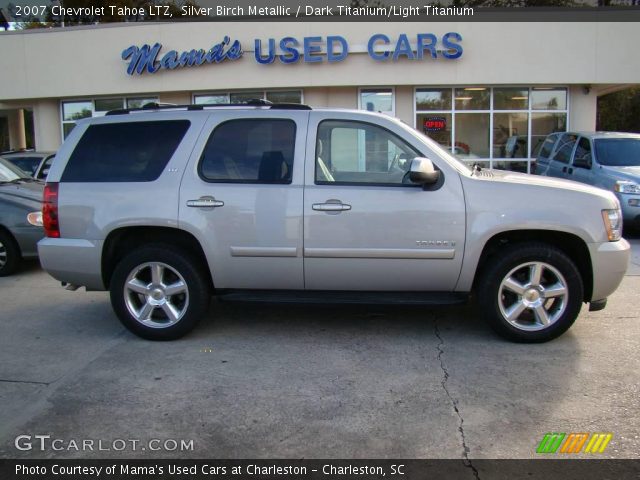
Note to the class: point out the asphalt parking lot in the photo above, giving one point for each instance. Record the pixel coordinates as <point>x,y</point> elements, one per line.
<point>256,381</point>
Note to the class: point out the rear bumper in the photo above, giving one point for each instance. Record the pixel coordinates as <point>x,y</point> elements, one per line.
<point>73,261</point>
<point>610,261</point>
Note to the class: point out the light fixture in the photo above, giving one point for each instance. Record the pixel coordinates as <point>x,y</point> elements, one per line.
<point>543,88</point>
<point>519,98</point>
<point>464,98</point>
<point>586,89</point>
<point>475,89</point>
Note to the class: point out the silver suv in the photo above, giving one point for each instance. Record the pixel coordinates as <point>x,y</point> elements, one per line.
<point>167,205</point>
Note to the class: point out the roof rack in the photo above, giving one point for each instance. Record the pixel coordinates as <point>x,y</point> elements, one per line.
<point>254,102</point>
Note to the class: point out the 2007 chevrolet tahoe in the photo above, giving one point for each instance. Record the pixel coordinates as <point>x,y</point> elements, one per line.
<point>165,206</point>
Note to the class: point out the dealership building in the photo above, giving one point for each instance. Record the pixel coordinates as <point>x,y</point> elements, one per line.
<point>489,92</point>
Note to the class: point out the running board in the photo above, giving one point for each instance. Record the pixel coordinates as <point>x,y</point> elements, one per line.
<point>341,297</point>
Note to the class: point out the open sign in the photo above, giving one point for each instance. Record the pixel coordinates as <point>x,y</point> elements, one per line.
<point>435,124</point>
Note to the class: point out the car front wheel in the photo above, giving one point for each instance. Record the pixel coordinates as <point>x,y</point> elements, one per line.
<point>9,254</point>
<point>159,293</point>
<point>531,293</point>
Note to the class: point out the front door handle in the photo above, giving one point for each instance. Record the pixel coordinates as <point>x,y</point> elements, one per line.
<point>564,169</point>
<point>331,206</point>
<point>205,202</point>
<point>570,170</point>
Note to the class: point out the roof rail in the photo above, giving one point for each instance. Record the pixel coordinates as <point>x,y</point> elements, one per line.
<point>254,102</point>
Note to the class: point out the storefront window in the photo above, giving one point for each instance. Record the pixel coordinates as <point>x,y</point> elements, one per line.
<point>72,111</point>
<point>549,98</point>
<point>479,124</point>
<point>285,96</point>
<point>510,98</point>
<point>211,99</point>
<point>139,102</point>
<point>433,99</point>
<point>510,135</point>
<point>377,100</point>
<point>436,126</point>
<point>275,96</point>
<point>472,135</point>
<point>244,97</point>
<point>472,98</point>
<point>106,104</point>
<point>75,110</point>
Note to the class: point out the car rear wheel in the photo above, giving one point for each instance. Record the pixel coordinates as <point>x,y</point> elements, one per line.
<point>9,254</point>
<point>159,293</point>
<point>532,292</point>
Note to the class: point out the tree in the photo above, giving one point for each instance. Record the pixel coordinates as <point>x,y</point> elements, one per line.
<point>619,111</point>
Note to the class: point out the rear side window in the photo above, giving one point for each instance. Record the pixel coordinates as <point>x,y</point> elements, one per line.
<point>125,152</point>
<point>565,147</point>
<point>547,146</point>
<point>250,151</point>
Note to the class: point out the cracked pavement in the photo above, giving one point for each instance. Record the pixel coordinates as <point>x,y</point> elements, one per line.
<point>269,381</point>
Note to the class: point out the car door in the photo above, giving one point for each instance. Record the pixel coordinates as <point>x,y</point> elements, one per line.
<point>366,226</point>
<point>581,169</point>
<point>241,196</point>
<point>561,156</point>
<point>544,157</point>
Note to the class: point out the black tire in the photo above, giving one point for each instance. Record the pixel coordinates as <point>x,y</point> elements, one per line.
<point>193,303</point>
<point>515,262</point>
<point>9,254</point>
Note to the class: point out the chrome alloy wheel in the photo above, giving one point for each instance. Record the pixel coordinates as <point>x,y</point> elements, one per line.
<point>3,255</point>
<point>156,295</point>
<point>533,296</point>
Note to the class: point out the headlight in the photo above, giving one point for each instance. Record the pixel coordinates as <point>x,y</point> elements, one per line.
<point>613,223</point>
<point>626,187</point>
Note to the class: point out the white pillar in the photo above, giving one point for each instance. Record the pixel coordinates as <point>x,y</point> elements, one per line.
<point>17,137</point>
<point>46,123</point>
<point>582,108</point>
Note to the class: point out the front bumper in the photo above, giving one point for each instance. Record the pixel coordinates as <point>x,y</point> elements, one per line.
<point>73,261</point>
<point>609,261</point>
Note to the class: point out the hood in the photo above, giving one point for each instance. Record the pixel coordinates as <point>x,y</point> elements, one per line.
<point>624,173</point>
<point>540,181</point>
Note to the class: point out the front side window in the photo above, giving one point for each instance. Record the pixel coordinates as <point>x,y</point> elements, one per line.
<point>582,157</point>
<point>124,152</point>
<point>250,151</point>
<point>350,152</point>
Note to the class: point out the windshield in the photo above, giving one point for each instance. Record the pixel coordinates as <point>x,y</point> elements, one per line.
<point>9,172</point>
<point>618,152</point>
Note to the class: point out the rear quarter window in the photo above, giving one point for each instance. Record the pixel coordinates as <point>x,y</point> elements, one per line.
<point>125,152</point>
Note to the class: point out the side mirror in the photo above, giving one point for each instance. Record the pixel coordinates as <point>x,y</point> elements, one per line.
<point>582,162</point>
<point>423,172</point>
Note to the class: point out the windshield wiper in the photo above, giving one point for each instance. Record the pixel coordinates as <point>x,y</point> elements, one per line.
<point>15,180</point>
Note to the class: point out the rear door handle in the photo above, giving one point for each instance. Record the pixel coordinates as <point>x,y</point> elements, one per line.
<point>205,202</point>
<point>570,170</point>
<point>331,206</point>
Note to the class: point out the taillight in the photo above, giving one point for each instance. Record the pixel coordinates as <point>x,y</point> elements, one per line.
<point>50,210</point>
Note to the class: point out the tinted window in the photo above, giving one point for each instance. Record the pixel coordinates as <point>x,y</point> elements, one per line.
<point>547,146</point>
<point>618,152</point>
<point>582,157</point>
<point>124,152</point>
<point>250,151</point>
<point>28,164</point>
<point>355,152</point>
<point>564,149</point>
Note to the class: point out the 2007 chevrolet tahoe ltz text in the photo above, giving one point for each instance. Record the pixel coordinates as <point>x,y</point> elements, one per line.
<point>167,205</point>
